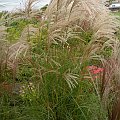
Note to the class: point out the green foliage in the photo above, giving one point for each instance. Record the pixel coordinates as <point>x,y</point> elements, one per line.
<point>14,30</point>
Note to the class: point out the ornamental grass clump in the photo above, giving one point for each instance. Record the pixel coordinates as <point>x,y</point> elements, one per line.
<point>68,18</point>
<point>71,69</point>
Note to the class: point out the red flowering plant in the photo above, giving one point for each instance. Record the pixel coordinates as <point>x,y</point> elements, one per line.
<point>95,71</point>
<point>96,74</point>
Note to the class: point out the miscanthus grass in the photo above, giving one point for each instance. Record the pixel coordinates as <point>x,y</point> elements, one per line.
<point>60,64</point>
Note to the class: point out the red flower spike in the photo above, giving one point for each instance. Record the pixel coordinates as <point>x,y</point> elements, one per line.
<point>95,69</point>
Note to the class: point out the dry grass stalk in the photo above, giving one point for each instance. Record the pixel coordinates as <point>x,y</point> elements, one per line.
<point>110,83</point>
<point>28,11</point>
<point>89,15</point>
<point>20,47</point>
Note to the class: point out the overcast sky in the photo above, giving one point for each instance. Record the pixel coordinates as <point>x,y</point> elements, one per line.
<point>13,4</point>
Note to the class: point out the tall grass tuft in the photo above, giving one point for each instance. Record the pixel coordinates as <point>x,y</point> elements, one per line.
<point>67,64</point>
